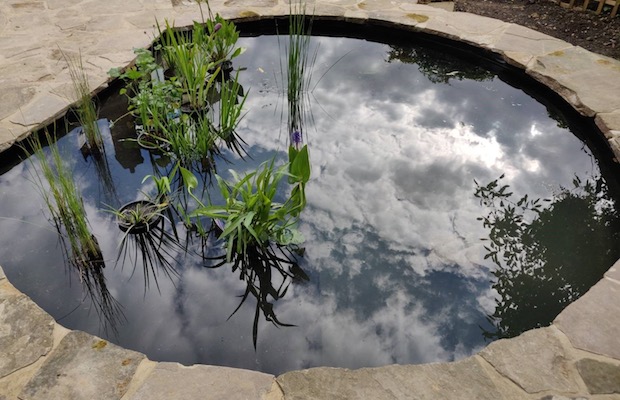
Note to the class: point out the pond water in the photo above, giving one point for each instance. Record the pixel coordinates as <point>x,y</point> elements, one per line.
<point>396,265</point>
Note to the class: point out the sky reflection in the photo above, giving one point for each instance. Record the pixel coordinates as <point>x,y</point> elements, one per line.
<point>393,246</point>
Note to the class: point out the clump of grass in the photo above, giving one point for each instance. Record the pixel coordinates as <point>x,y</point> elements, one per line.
<point>300,62</point>
<point>64,202</point>
<point>86,110</point>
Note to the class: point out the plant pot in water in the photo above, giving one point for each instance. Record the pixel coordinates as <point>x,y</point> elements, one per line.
<point>139,216</point>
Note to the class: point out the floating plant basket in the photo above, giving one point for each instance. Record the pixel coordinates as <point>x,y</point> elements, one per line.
<point>139,216</point>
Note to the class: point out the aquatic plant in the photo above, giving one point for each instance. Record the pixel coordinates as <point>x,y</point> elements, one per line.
<point>300,62</point>
<point>64,202</point>
<point>250,214</point>
<point>86,110</point>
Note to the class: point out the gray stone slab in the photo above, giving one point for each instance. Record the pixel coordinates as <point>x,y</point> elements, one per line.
<point>83,367</point>
<point>26,331</point>
<point>521,44</point>
<point>591,323</point>
<point>614,272</point>
<point>608,122</point>
<point>174,381</point>
<point>466,379</point>
<point>600,377</point>
<point>535,360</point>
<point>590,82</point>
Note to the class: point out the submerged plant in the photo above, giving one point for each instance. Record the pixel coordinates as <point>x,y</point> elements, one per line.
<point>65,203</point>
<point>86,110</point>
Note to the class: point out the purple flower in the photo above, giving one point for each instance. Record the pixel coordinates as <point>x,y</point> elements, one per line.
<point>217,27</point>
<point>297,139</point>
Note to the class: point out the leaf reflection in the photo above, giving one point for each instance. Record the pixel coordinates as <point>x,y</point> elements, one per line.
<point>548,252</point>
<point>268,272</point>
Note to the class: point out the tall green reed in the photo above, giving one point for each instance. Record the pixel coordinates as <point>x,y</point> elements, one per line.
<point>64,202</point>
<point>86,110</point>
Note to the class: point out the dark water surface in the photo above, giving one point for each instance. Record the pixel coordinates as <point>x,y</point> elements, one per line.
<point>393,244</point>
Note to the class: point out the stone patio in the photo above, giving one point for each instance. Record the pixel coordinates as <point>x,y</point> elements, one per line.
<point>578,357</point>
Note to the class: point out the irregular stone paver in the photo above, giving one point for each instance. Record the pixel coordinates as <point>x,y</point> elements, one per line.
<point>520,44</point>
<point>535,360</point>
<point>614,272</point>
<point>26,331</point>
<point>2,276</point>
<point>600,377</point>
<point>588,81</point>
<point>83,367</point>
<point>466,379</point>
<point>592,322</point>
<point>174,381</point>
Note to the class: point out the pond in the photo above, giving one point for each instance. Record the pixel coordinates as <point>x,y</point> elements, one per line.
<point>402,138</point>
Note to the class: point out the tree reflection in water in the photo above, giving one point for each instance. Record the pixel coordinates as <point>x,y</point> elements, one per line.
<point>548,252</point>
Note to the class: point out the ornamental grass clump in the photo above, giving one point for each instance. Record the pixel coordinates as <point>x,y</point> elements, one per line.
<point>64,201</point>
<point>86,110</point>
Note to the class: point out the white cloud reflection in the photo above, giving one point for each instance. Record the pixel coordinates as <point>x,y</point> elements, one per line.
<point>393,247</point>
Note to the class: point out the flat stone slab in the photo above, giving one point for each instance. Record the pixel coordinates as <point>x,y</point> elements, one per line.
<point>591,323</point>
<point>2,276</point>
<point>536,361</point>
<point>26,331</point>
<point>466,379</point>
<point>175,381</point>
<point>600,377</point>
<point>588,81</point>
<point>83,367</point>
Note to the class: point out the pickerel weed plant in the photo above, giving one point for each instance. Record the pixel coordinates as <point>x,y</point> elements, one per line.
<point>250,216</point>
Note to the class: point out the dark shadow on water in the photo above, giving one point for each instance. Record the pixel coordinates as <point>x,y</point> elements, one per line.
<point>548,252</point>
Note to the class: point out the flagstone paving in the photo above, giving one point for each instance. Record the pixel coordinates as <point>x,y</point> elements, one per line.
<point>577,357</point>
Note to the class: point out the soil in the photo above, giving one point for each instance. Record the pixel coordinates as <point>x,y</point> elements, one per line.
<point>597,33</point>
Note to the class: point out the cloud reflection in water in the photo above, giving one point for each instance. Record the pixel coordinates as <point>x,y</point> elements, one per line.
<point>393,250</point>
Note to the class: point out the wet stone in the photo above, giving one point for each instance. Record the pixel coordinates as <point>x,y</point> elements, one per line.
<point>175,381</point>
<point>83,367</point>
<point>25,330</point>
<point>535,360</point>
<point>600,377</point>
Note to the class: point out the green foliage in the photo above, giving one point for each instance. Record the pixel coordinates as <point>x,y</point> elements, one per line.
<point>250,213</point>
<point>86,110</point>
<point>224,37</point>
<point>299,66</point>
<point>547,252</point>
<point>65,204</point>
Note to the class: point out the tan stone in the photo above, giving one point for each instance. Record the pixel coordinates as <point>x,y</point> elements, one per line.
<point>608,122</point>
<point>521,44</point>
<point>614,272</point>
<point>83,367</point>
<point>465,379</point>
<point>25,330</point>
<point>535,360</point>
<point>591,323</point>
<point>172,380</point>
<point>588,81</point>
